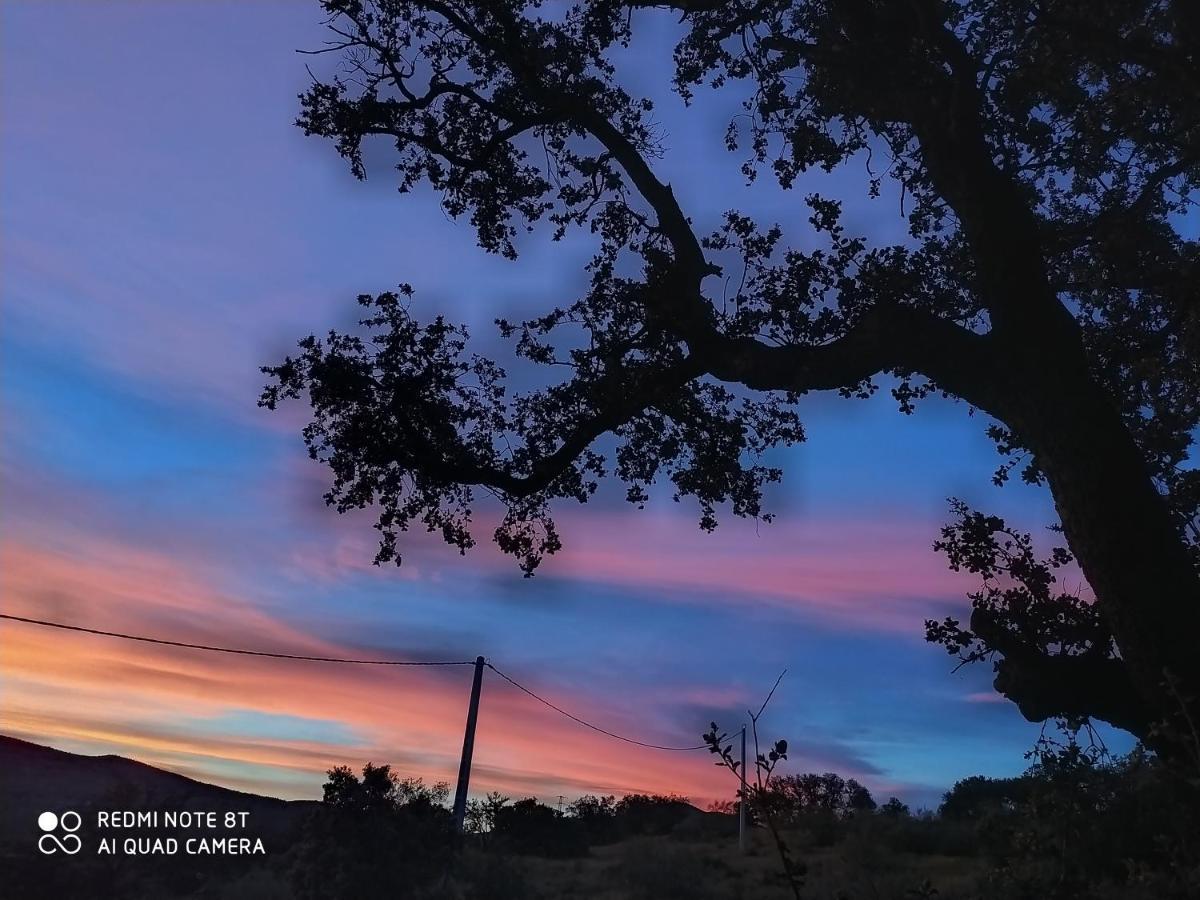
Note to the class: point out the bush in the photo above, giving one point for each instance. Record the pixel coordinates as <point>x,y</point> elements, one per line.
<point>1090,828</point>
<point>596,817</point>
<point>532,828</point>
<point>374,836</point>
<point>651,813</point>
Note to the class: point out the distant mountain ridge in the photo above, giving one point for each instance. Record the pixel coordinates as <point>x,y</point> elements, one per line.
<point>35,779</point>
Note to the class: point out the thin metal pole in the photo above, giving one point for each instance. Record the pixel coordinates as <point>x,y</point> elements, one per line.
<point>464,766</point>
<point>742,801</point>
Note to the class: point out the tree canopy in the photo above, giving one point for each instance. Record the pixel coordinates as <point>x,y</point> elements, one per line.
<point>1047,153</point>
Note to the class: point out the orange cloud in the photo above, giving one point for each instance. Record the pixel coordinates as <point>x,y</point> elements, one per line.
<point>166,705</point>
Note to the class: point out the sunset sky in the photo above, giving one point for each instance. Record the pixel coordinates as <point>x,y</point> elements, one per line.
<point>166,230</point>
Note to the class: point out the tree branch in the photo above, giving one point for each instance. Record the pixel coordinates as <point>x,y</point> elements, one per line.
<point>622,404</point>
<point>887,337</point>
<point>1044,686</point>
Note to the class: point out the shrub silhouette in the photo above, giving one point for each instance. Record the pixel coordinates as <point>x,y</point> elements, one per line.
<point>374,836</point>
<point>597,816</point>
<point>1077,824</point>
<point>974,797</point>
<point>530,827</point>
<point>651,813</point>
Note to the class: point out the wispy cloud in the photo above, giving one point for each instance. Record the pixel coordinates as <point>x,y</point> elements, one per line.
<point>171,706</point>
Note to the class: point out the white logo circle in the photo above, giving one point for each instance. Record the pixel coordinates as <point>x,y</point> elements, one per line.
<point>47,821</point>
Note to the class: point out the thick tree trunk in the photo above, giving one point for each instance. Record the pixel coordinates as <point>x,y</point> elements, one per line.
<point>1127,545</point>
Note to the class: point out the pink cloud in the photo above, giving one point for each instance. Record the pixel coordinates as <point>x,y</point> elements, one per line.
<point>874,573</point>
<point>151,701</point>
<point>871,573</point>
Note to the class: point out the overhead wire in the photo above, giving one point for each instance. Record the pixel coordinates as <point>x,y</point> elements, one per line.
<point>360,662</point>
<point>239,651</point>
<point>587,724</point>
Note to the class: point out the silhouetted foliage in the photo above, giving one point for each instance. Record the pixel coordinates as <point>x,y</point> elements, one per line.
<point>1076,824</point>
<point>1040,156</point>
<point>529,827</point>
<point>758,791</point>
<point>651,813</point>
<point>797,794</point>
<point>977,796</point>
<point>1085,825</point>
<point>818,804</point>
<point>374,836</point>
<point>597,817</point>
<point>481,814</point>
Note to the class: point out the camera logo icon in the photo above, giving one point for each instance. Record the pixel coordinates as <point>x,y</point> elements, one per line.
<point>50,842</point>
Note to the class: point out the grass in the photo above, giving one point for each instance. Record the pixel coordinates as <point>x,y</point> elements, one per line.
<point>654,867</point>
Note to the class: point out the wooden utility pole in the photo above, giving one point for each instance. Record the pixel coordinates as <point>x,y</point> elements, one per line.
<point>742,799</point>
<point>464,766</point>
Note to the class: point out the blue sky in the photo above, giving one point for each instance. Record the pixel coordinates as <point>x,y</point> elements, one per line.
<point>167,230</point>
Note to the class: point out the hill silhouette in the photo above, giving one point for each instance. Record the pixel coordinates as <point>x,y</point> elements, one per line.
<point>35,778</point>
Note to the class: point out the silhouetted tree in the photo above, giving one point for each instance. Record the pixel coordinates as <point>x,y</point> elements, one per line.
<point>858,798</point>
<point>796,795</point>
<point>651,813</point>
<point>974,797</point>
<point>590,807</point>
<point>374,836</point>
<point>534,828</point>
<point>481,814</point>
<point>1078,821</point>
<point>1042,156</point>
<point>758,794</point>
<point>596,816</point>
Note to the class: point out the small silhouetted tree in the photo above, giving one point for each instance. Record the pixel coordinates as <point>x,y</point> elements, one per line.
<point>759,795</point>
<point>858,798</point>
<point>481,814</point>
<point>1040,158</point>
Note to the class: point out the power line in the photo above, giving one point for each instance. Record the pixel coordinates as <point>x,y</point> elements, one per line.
<point>150,640</point>
<point>585,723</point>
<point>359,662</point>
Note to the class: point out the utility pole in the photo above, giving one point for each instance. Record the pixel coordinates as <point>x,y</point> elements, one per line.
<point>742,800</point>
<point>464,767</point>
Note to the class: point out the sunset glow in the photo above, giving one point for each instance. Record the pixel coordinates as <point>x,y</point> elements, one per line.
<point>168,235</point>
